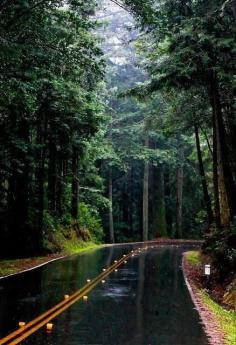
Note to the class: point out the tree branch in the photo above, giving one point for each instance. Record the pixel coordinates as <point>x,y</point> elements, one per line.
<point>121,6</point>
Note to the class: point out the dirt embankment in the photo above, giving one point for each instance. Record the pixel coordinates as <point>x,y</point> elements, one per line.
<point>10,267</point>
<point>209,298</point>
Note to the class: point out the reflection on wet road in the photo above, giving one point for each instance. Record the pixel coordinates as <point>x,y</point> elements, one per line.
<point>145,303</point>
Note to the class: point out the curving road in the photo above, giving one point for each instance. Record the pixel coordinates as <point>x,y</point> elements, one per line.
<point>145,303</point>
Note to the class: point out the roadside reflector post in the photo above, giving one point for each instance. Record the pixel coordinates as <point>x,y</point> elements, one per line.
<point>207,270</point>
<point>103,281</point>
<point>49,327</point>
<point>207,274</point>
<point>21,324</point>
<point>88,280</point>
<point>104,269</point>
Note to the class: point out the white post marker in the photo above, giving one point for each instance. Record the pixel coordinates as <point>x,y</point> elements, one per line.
<point>207,270</point>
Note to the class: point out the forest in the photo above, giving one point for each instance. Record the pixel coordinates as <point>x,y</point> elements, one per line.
<point>117,123</point>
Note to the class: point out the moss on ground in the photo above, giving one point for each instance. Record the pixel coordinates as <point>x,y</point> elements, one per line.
<point>75,247</point>
<point>13,266</point>
<point>193,257</point>
<point>226,318</point>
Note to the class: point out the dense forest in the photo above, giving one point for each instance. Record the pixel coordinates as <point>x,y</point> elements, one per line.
<point>117,123</point>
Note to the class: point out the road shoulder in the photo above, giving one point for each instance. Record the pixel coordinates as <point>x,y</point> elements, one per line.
<point>217,322</point>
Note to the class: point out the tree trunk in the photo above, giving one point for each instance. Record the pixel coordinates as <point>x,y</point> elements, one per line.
<point>18,199</point>
<point>206,195</point>
<point>179,197</point>
<point>169,208</point>
<point>75,185</point>
<point>145,194</point>
<point>111,223</point>
<point>233,2</point>
<point>52,174</point>
<point>159,209</point>
<point>130,200</point>
<point>215,179</point>
<point>60,195</point>
<point>42,135</point>
<point>225,176</point>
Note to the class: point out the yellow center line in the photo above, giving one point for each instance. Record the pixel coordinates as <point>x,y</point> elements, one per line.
<point>37,323</point>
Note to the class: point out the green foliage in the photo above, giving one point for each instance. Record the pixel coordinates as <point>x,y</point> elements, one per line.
<point>226,318</point>
<point>193,257</point>
<point>68,136</point>
<point>51,67</point>
<point>89,219</point>
<point>188,49</point>
<point>220,245</point>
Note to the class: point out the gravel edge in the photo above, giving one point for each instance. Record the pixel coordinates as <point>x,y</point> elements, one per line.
<point>32,268</point>
<point>210,324</point>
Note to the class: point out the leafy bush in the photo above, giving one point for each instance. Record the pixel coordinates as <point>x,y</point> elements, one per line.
<point>220,244</point>
<point>68,235</point>
<point>49,222</point>
<point>89,219</point>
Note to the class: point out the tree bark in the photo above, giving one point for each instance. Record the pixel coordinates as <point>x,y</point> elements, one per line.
<point>159,209</point>
<point>18,199</point>
<point>179,197</point>
<point>225,177</point>
<point>52,174</point>
<point>207,199</point>
<point>42,135</point>
<point>169,208</point>
<point>145,194</point>
<point>215,178</point>
<point>75,185</point>
<point>111,222</point>
<point>130,200</point>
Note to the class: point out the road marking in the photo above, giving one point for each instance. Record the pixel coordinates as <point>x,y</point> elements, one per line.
<point>31,327</point>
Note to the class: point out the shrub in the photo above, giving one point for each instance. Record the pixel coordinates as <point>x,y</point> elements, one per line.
<point>89,219</point>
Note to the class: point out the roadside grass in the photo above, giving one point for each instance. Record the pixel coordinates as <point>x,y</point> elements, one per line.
<point>75,247</point>
<point>69,247</point>
<point>226,318</point>
<point>193,258</point>
<point>13,266</point>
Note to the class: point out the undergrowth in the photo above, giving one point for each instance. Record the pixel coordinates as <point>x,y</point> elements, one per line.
<point>226,318</point>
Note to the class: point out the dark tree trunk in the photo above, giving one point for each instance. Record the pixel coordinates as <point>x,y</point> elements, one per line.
<point>225,177</point>
<point>233,2</point>
<point>75,185</point>
<point>125,206</point>
<point>169,209</point>
<point>145,194</point>
<point>215,179</point>
<point>206,195</point>
<point>42,135</point>
<point>159,209</point>
<point>111,222</point>
<point>60,200</point>
<point>179,198</point>
<point>52,174</point>
<point>18,199</point>
<point>130,200</point>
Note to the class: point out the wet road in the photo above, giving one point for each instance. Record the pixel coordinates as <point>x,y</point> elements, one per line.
<point>145,303</point>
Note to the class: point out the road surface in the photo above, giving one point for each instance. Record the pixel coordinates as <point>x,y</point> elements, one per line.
<point>145,303</point>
